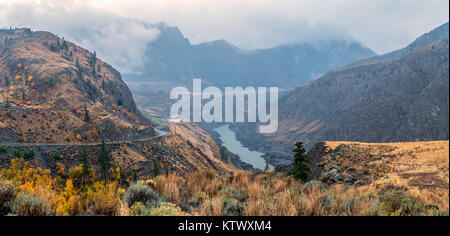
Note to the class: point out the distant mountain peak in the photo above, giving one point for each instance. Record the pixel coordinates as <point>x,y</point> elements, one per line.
<point>172,35</point>
<point>223,44</point>
<point>172,58</point>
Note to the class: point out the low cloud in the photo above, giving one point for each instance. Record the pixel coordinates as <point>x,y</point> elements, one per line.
<point>114,28</point>
<point>118,40</point>
<point>382,25</point>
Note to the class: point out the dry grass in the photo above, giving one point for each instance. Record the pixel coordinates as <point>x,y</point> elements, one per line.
<point>410,179</point>
<point>211,207</point>
<point>420,167</point>
<point>271,194</point>
<point>168,187</point>
<point>416,183</point>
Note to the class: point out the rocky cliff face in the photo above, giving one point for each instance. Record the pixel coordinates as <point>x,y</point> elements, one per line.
<point>51,90</point>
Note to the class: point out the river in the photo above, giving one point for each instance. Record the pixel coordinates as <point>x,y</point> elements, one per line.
<point>228,138</point>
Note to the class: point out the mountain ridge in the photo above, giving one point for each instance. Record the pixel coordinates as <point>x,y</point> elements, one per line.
<point>392,99</point>
<point>173,58</point>
<point>59,100</point>
<point>435,35</point>
<point>43,76</point>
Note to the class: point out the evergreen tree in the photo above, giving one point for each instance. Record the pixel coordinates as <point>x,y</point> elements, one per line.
<point>300,169</point>
<point>64,45</point>
<point>94,74</point>
<point>84,161</point>
<point>58,44</point>
<point>103,85</point>
<point>104,159</point>
<point>87,118</point>
<point>23,95</point>
<point>266,169</point>
<point>8,104</point>
<point>156,168</point>
<point>93,60</point>
<point>79,73</point>
<point>53,47</point>
<point>6,81</point>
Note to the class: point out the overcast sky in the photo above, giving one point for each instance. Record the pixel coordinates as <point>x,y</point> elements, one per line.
<point>382,25</point>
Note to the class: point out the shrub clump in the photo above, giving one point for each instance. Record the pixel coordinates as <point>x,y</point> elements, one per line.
<point>233,201</point>
<point>143,194</point>
<point>397,203</point>
<point>29,154</point>
<point>327,202</point>
<point>139,209</point>
<point>232,207</point>
<point>232,192</point>
<point>164,209</point>
<point>7,194</point>
<point>313,183</point>
<point>168,209</point>
<point>17,153</point>
<point>29,205</point>
<point>349,206</point>
<point>57,157</point>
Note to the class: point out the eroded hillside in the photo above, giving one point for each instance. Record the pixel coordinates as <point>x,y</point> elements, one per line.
<point>58,100</point>
<point>399,97</point>
<point>401,100</point>
<point>53,91</point>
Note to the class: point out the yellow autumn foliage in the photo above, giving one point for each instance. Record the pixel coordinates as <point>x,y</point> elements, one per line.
<point>67,194</point>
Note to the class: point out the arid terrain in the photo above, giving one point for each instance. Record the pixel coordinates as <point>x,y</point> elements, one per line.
<point>402,179</point>
<point>401,96</point>
<point>420,168</point>
<point>58,92</point>
<point>72,141</point>
<point>57,98</point>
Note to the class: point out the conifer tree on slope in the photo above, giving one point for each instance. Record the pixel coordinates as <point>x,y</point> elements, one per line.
<point>300,169</point>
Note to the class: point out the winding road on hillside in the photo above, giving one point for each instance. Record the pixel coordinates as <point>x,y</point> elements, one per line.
<point>158,129</point>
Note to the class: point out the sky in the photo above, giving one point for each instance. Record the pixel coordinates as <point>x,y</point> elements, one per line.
<point>112,26</point>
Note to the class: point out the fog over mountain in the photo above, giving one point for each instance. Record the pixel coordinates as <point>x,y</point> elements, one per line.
<point>120,41</point>
<point>113,27</point>
<point>398,97</point>
<point>173,59</point>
